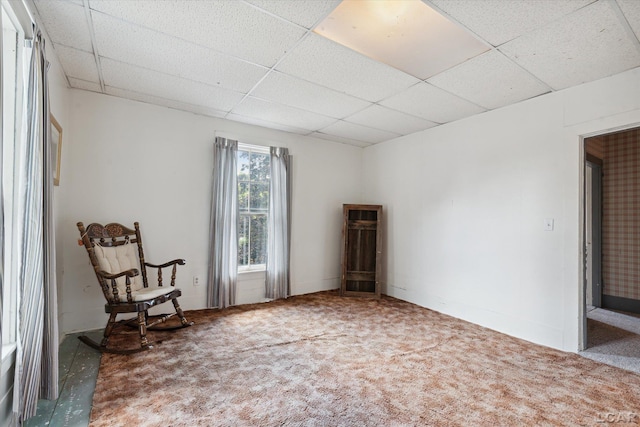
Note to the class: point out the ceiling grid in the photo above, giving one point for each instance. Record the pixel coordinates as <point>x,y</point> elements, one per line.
<point>261,62</point>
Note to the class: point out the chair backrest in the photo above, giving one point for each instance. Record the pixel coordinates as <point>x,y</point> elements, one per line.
<point>115,248</point>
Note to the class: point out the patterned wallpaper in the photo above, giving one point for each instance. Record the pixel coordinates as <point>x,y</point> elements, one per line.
<point>593,146</point>
<point>621,214</point>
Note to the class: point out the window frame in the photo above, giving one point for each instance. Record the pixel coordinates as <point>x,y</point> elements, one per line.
<point>250,148</point>
<point>11,160</point>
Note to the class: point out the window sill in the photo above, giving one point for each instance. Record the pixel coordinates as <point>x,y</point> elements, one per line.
<point>254,272</point>
<point>8,353</point>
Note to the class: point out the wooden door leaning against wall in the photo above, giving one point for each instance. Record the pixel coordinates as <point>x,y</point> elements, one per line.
<point>361,250</point>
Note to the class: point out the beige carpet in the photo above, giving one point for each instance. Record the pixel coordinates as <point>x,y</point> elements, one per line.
<point>323,360</point>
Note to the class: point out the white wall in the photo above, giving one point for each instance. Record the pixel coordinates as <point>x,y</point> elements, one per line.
<point>465,205</point>
<point>59,101</point>
<point>126,161</point>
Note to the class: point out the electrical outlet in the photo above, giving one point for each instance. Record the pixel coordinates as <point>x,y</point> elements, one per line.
<point>196,280</point>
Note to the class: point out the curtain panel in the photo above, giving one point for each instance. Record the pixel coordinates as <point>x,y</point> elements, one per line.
<point>37,353</point>
<point>223,253</point>
<point>279,225</point>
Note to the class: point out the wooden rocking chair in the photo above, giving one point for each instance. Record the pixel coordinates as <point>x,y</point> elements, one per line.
<point>117,258</point>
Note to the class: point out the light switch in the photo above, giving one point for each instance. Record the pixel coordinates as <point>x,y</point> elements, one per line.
<point>548,224</point>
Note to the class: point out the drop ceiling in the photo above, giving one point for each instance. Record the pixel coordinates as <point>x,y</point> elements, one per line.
<point>260,62</point>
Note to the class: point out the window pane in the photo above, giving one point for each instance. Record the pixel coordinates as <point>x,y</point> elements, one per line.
<point>253,205</point>
<point>11,95</point>
<point>243,166</point>
<point>243,241</point>
<point>243,197</point>
<point>259,167</point>
<point>258,239</point>
<point>259,196</point>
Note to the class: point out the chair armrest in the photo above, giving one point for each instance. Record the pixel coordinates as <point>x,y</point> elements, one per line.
<point>130,273</point>
<point>114,287</point>
<point>175,263</point>
<point>166,264</point>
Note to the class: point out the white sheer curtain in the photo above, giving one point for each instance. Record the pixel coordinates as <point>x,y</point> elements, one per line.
<point>279,225</point>
<point>37,357</point>
<point>223,261</point>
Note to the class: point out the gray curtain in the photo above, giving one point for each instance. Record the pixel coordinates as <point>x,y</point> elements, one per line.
<point>223,261</point>
<point>37,357</point>
<point>279,225</point>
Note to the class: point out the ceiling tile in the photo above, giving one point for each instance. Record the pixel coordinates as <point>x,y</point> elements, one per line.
<point>276,113</point>
<point>288,90</point>
<point>84,85</point>
<point>78,63</point>
<point>498,21</point>
<point>584,46</point>
<point>151,99</point>
<point>171,55</point>
<point>265,123</point>
<point>65,23</point>
<point>339,139</point>
<point>631,10</point>
<point>301,12</point>
<point>329,64</point>
<point>230,27</point>
<point>431,103</point>
<point>136,79</point>
<point>490,80</point>
<point>384,118</point>
<point>359,133</point>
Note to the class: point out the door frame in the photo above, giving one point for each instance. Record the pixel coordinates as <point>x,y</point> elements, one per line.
<point>596,228</point>
<point>584,158</point>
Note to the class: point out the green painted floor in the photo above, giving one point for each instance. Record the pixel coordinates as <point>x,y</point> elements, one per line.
<point>78,373</point>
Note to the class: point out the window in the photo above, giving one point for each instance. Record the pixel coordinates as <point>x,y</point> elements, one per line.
<point>12,97</point>
<point>253,206</point>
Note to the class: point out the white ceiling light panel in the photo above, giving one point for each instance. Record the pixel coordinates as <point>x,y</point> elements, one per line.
<point>405,34</point>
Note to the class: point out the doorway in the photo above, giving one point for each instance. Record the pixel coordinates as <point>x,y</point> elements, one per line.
<point>612,248</point>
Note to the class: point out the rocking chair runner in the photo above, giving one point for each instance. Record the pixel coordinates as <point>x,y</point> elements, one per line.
<point>117,258</point>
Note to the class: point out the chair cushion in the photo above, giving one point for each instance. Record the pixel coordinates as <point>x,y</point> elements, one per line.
<point>147,293</point>
<point>116,259</point>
